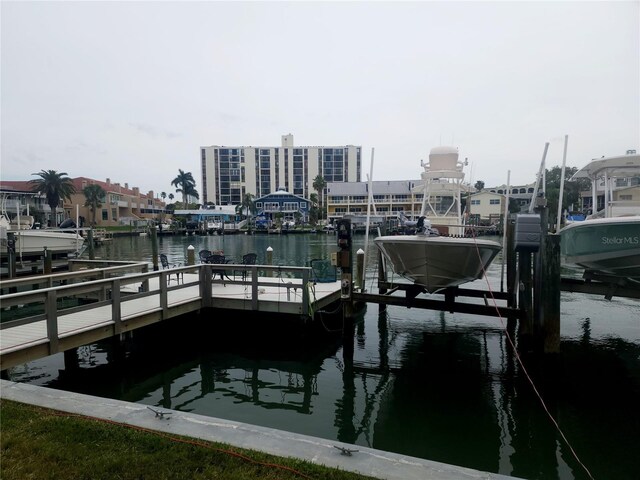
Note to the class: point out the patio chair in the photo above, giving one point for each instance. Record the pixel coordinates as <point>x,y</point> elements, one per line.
<point>203,255</point>
<point>166,265</point>
<point>247,259</point>
<point>216,259</point>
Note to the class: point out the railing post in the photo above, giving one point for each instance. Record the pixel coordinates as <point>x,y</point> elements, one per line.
<point>51,310</point>
<point>163,293</point>
<point>116,311</point>
<point>254,288</point>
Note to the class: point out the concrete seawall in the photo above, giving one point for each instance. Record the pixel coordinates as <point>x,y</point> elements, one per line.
<point>366,461</point>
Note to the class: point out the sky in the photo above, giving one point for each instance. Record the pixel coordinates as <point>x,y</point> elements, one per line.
<point>131,90</point>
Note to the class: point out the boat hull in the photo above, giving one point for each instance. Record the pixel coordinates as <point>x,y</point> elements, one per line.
<point>33,242</point>
<point>606,245</point>
<point>438,262</point>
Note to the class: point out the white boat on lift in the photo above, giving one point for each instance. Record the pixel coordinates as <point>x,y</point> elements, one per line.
<point>427,258</point>
<point>607,242</point>
<point>31,242</point>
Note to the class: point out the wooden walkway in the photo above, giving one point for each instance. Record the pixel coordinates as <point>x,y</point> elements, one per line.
<point>36,323</point>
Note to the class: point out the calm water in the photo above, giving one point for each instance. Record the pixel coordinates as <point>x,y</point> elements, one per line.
<point>435,385</point>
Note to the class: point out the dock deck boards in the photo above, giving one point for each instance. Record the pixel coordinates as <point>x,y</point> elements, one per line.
<point>281,295</point>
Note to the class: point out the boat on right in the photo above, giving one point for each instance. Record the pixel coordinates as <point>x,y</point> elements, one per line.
<point>607,242</point>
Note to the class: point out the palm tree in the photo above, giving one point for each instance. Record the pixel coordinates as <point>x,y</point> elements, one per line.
<point>247,205</point>
<point>185,184</point>
<point>171,197</point>
<point>94,195</point>
<point>55,186</point>
<point>313,209</point>
<point>191,192</point>
<point>319,184</point>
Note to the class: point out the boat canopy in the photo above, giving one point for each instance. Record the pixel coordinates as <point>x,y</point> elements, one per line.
<point>620,166</point>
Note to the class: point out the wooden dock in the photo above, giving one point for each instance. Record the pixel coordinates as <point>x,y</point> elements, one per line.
<point>69,310</point>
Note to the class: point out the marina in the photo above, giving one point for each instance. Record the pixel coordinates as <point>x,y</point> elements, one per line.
<point>386,386</point>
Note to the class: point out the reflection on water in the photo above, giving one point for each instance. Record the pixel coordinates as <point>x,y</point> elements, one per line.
<point>446,387</point>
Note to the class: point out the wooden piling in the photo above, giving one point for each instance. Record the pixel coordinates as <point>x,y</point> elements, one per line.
<point>92,247</point>
<point>525,298</point>
<point>360,275</point>
<point>154,247</point>
<point>550,294</point>
<point>47,260</point>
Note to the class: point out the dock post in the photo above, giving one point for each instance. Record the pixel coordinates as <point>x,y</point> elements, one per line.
<point>511,258</point>
<point>360,276</point>
<point>539,261</point>
<point>550,294</point>
<point>154,247</point>
<point>46,268</point>
<point>525,330</point>
<point>92,247</point>
<point>11,254</point>
<point>191,255</point>
<point>269,260</point>
<point>71,361</point>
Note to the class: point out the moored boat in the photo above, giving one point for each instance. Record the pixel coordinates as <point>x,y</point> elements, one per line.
<point>31,242</point>
<point>427,258</point>
<point>608,240</point>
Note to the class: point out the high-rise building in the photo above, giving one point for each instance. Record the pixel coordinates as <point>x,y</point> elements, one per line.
<point>228,173</point>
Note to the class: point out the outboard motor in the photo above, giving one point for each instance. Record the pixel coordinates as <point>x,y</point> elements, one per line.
<point>68,223</point>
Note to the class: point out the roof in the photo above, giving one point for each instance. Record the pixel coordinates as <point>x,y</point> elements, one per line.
<point>380,187</point>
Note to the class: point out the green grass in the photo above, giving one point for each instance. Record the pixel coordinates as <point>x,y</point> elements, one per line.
<point>38,443</point>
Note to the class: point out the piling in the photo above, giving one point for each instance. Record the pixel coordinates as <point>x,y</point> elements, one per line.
<point>154,247</point>
<point>269,260</point>
<point>360,276</point>
<point>11,254</point>
<point>46,269</point>
<point>550,294</point>
<point>92,249</point>
<point>191,255</point>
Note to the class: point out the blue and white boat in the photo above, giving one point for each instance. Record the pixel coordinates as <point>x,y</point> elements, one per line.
<point>608,241</point>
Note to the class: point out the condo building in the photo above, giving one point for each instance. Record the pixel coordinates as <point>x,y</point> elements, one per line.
<point>228,173</point>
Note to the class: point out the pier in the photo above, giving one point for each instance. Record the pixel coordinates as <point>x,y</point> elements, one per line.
<point>59,312</point>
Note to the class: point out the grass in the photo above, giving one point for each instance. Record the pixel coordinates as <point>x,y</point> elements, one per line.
<point>38,443</point>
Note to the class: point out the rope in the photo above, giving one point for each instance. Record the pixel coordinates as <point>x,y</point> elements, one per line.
<point>521,363</point>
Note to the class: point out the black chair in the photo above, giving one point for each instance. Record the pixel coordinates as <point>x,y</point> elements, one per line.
<point>203,255</point>
<point>166,265</point>
<point>216,259</point>
<point>247,259</point>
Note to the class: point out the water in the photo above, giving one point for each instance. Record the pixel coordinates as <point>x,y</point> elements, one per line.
<point>440,386</point>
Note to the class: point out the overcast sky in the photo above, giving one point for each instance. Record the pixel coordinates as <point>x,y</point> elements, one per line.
<point>131,90</point>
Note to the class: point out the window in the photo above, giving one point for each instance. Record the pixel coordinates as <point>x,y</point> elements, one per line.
<point>105,214</point>
<point>494,201</point>
<point>475,202</point>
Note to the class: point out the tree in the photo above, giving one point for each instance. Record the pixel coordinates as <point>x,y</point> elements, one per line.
<point>247,205</point>
<point>185,184</point>
<point>55,186</point>
<point>171,197</point>
<point>319,184</point>
<point>313,210</point>
<point>94,195</point>
<point>571,193</point>
<point>479,185</point>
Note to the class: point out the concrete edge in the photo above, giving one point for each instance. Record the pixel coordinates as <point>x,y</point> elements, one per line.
<point>366,461</point>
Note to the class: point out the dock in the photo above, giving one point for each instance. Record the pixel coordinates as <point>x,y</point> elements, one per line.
<point>53,313</point>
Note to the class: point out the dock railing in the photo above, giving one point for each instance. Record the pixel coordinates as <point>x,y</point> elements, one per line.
<point>53,297</point>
